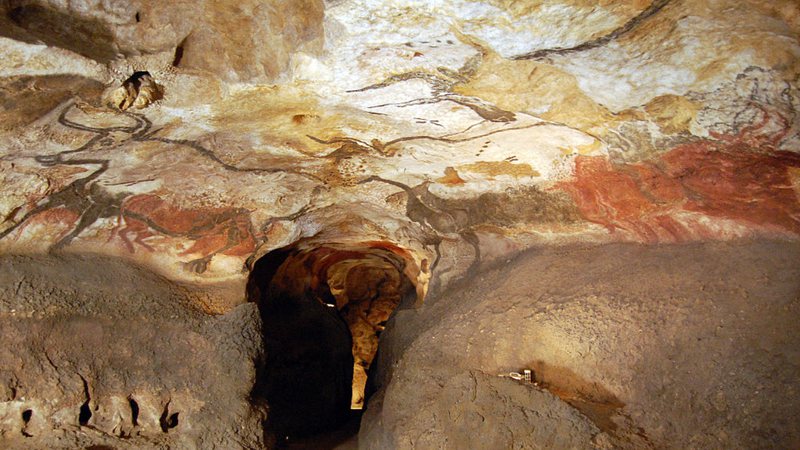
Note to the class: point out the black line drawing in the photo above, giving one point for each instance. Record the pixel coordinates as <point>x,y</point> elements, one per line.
<point>90,200</point>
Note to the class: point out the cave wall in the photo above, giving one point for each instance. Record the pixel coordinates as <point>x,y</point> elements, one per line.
<point>100,352</point>
<point>457,133</point>
<point>631,346</point>
<point>243,42</point>
<point>461,130</point>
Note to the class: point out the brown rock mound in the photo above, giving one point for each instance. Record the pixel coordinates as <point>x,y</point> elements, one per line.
<point>238,41</point>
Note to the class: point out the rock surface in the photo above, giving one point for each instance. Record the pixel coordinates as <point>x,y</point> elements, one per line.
<point>430,127</point>
<point>98,352</point>
<point>680,346</point>
<point>247,41</point>
<point>455,133</point>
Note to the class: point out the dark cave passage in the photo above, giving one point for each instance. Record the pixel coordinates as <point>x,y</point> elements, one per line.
<point>323,309</point>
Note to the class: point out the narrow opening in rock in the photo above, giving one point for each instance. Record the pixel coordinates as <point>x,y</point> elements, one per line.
<point>176,60</point>
<point>137,91</point>
<point>85,414</point>
<point>134,411</point>
<point>137,76</point>
<point>138,17</point>
<point>167,420</point>
<point>26,418</point>
<point>172,420</point>
<point>323,308</point>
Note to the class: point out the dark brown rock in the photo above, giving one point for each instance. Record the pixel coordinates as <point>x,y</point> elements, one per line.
<point>124,361</point>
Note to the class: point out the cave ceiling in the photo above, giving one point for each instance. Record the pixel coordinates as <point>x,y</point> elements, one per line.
<point>456,132</point>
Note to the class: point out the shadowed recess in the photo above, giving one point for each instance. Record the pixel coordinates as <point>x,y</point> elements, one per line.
<point>34,22</point>
<point>323,308</point>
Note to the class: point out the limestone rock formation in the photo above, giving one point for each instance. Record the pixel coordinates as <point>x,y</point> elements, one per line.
<point>138,91</point>
<point>126,361</point>
<point>241,41</point>
<point>331,164</point>
<point>659,347</point>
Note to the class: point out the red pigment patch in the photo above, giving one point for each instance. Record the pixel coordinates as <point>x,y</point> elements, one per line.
<point>748,187</point>
<point>741,177</point>
<point>637,199</point>
<point>52,219</point>
<point>213,230</point>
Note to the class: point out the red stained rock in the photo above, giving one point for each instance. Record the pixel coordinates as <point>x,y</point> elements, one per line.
<point>53,218</point>
<point>635,198</point>
<point>214,230</point>
<point>745,186</point>
<point>741,178</point>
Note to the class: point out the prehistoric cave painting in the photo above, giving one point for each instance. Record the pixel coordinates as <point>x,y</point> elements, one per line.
<point>728,108</point>
<point>655,6</point>
<point>26,98</point>
<point>443,219</point>
<point>418,212</point>
<point>346,164</point>
<point>740,177</point>
<point>458,218</point>
<point>84,199</point>
<point>485,110</point>
<point>79,205</point>
<point>442,84</point>
<point>349,147</point>
<point>213,231</point>
<point>736,105</point>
